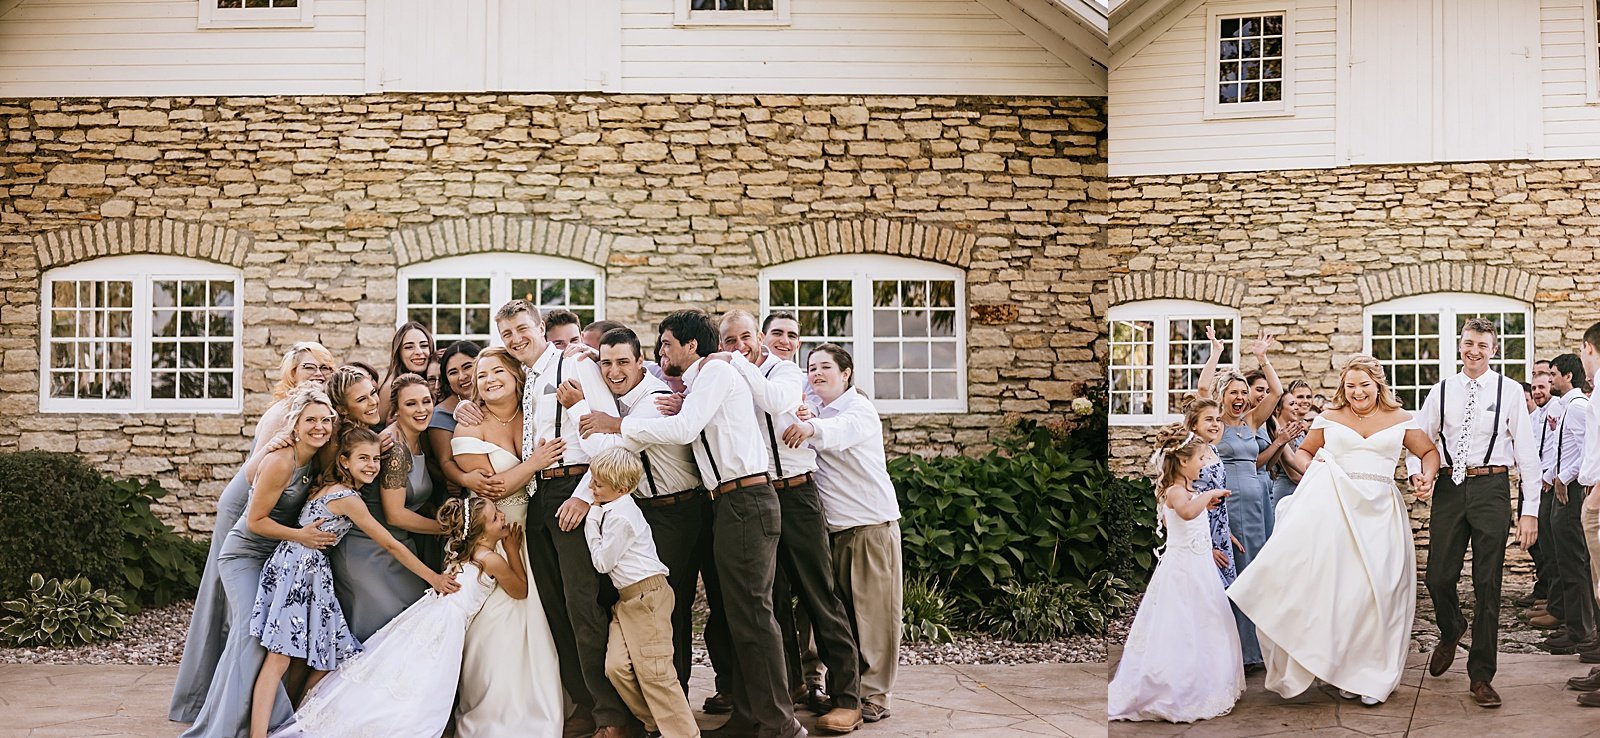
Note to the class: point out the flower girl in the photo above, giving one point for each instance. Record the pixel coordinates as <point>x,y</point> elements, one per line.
<point>404,683</point>
<point>1182,660</point>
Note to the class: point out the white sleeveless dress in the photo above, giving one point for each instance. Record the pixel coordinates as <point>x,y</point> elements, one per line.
<point>1182,660</point>
<point>510,676</point>
<point>1333,591</point>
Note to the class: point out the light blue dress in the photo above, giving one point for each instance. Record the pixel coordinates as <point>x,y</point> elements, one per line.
<point>372,585</point>
<point>226,712</point>
<point>1247,514</point>
<point>295,612</point>
<point>208,625</point>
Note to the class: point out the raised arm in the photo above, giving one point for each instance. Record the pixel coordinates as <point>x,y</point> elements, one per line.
<point>856,425</point>
<point>777,393</point>
<point>711,390</point>
<point>1188,507</point>
<point>1269,404</point>
<point>1208,374</point>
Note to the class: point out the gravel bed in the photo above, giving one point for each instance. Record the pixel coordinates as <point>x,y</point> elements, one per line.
<point>153,637</point>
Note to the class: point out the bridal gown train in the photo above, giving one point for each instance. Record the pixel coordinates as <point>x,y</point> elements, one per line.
<point>1333,591</point>
<point>510,677</point>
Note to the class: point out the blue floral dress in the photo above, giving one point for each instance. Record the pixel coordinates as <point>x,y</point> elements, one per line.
<point>1214,476</point>
<point>296,612</point>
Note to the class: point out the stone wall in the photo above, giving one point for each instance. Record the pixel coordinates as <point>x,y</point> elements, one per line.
<point>682,199</point>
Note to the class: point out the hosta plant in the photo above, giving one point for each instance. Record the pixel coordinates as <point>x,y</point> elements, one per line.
<point>57,614</point>
<point>927,611</point>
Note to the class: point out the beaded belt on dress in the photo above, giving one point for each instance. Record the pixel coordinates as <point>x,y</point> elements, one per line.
<point>1370,477</point>
<point>514,501</point>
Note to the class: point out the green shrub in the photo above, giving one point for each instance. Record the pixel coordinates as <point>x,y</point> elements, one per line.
<point>58,614</point>
<point>158,566</point>
<point>58,519</point>
<point>927,612</point>
<point>1033,613</point>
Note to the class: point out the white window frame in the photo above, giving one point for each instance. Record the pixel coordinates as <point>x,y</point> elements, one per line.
<point>683,16</point>
<point>1215,14</point>
<point>1448,306</point>
<point>1591,51</point>
<point>301,16</point>
<point>141,270</point>
<point>861,270</point>
<point>501,267</point>
<point>1161,313</point>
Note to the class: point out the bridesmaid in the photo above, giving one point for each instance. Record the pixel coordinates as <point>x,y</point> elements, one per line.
<point>1248,507</point>
<point>455,387</point>
<point>371,585</point>
<point>410,352</point>
<point>306,361</point>
<point>279,487</point>
<point>405,486</point>
<point>1287,431</point>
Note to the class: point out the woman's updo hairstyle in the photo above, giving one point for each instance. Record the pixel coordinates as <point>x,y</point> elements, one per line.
<point>463,520</point>
<point>339,385</point>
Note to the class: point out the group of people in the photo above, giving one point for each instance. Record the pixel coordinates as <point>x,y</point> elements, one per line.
<point>515,547</point>
<point>1289,545</point>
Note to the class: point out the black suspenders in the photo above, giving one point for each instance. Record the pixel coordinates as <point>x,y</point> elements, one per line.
<point>644,458</point>
<point>772,433</point>
<point>717,475</point>
<point>1499,397</point>
<point>559,363</point>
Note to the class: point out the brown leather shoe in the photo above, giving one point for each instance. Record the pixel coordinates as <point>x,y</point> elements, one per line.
<point>1589,699</point>
<point>1483,693</point>
<point>840,720</point>
<point>1443,656</point>
<point>1544,622</point>
<point>1587,683</point>
<point>610,731</point>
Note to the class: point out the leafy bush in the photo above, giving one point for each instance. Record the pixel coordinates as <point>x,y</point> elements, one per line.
<point>158,565</point>
<point>1033,613</point>
<point>58,520</point>
<point>927,613</point>
<point>58,614</point>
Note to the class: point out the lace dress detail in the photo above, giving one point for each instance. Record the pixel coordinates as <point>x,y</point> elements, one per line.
<point>296,612</point>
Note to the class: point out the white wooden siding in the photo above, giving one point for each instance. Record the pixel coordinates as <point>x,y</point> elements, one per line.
<point>476,45</point>
<point>1156,107</point>
<point>1571,115</point>
<point>1487,105</point>
<point>1386,91</point>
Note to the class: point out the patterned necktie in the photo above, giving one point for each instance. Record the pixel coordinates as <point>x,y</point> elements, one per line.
<point>527,420</point>
<point>1458,471</point>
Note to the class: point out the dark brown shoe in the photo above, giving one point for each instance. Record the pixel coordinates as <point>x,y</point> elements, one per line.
<point>1588,683</point>
<point>610,731</point>
<point>1443,656</point>
<point>1544,622</point>
<point>1589,699</point>
<point>1483,693</point>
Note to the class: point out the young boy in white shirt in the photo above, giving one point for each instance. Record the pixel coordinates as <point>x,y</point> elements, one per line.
<point>639,647</point>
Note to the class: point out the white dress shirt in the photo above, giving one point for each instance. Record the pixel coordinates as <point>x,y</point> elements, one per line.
<point>670,466</point>
<point>1589,473</point>
<point>852,473</point>
<point>550,370</point>
<point>1570,434</point>
<point>620,543</point>
<point>717,418</point>
<point>778,387</point>
<point>1546,420</point>
<point>1516,446</point>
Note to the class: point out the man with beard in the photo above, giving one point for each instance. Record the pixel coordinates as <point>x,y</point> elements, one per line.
<point>1545,416</point>
<point>1575,590</point>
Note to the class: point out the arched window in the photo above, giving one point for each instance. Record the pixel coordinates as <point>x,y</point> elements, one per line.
<point>903,321</point>
<point>1158,348</point>
<point>456,296</point>
<point>1415,338</point>
<point>134,334</point>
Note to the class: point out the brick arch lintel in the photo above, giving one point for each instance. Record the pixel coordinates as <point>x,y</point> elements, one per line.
<point>1452,276</point>
<point>491,233</point>
<point>127,236</point>
<point>894,237</point>
<point>1177,284</point>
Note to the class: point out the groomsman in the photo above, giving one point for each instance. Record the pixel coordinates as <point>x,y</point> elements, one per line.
<point>1588,477</point>
<point>717,419</point>
<point>1544,418</point>
<point>1477,419</point>
<point>778,388</point>
<point>1571,550</point>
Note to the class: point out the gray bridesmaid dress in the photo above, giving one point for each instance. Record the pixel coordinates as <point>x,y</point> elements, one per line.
<point>1247,515</point>
<point>208,626</point>
<point>371,585</point>
<point>226,712</point>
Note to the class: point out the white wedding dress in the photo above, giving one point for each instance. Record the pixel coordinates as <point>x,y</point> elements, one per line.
<point>403,684</point>
<point>1182,661</point>
<point>510,677</point>
<point>1332,593</point>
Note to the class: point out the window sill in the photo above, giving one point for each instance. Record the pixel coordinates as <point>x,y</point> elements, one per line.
<point>732,19</point>
<point>1276,112</point>
<point>1142,421</point>
<point>223,25</point>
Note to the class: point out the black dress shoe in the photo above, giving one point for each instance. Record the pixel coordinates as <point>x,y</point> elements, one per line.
<point>734,729</point>
<point>816,700</point>
<point>1526,600</point>
<point>1560,645</point>
<point>1483,693</point>
<point>1443,656</point>
<point>1589,699</point>
<point>718,704</point>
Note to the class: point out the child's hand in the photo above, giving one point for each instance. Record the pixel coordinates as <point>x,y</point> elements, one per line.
<point>514,537</point>
<point>444,584</point>
<point>1221,557</point>
<point>315,538</point>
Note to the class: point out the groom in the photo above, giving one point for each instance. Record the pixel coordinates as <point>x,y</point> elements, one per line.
<point>1480,424</point>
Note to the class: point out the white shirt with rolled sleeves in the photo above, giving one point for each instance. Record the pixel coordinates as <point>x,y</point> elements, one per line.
<point>671,464</point>
<point>1570,434</point>
<point>778,388</point>
<point>620,543</point>
<point>852,469</point>
<point>549,371</point>
<point>1589,473</point>
<point>1516,448</point>
<point>718,403</point>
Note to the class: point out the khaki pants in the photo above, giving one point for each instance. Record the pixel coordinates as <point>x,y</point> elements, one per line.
<point>866,565</point>
<point>639,658</point>
<point>1591,537</point>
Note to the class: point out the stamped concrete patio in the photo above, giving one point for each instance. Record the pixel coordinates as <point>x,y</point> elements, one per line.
<point>963,700</point>
<point>1532,686</point>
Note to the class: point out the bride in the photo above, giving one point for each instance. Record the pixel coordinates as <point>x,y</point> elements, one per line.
<point>510,683</point>
<point>1333,591</point>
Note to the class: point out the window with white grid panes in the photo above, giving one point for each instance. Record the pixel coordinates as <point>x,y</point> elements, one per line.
<point>256,13</point>
<point>1158,349</point>
<point>902,320</point>
<point>1250,59</point>
<point>141,334</point>
<point>1415,339</point>
<point>456,297</point>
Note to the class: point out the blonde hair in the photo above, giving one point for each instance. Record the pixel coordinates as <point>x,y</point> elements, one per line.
<point>1175,444</point>
<point>291,362</point>
<point>502,355</point>
<point>618,468</point>
<point>303,396</point>
<point>1371,367</point>
<point>1226,377</point>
